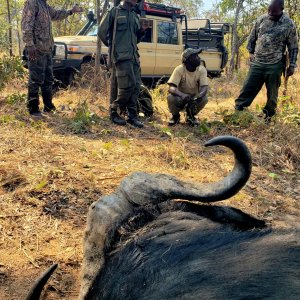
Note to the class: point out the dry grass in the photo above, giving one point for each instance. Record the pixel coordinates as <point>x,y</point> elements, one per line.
<point>52,169</point>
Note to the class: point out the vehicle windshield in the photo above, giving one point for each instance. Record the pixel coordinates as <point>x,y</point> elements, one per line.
<point>92,30</point>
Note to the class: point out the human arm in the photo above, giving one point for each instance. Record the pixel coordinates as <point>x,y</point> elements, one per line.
<point>63,13</point>
<point>142,27</point>
<point>175,91</point>
<point>252,40</point>
<point>28,21</point>
<point>174,82</point>
<point>203,91</point>
<point>292,45</point>
<point>104,27</point>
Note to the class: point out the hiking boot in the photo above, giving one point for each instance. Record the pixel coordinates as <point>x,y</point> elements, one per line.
<point>268,116</point>
<point>37,114</point>
<point>116,119</point>
<point>193,121</point>
<point>174,120</point>
<point>238,108</point>
<point>49,109</point>
<point>135,122</point>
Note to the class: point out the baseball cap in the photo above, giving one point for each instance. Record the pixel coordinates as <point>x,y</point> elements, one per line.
<point>188,52</point>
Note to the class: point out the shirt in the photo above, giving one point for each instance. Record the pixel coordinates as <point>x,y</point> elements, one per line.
<point>189,82</point>
<point>127,36</point>
<point>268,39</point>
<point>36,24</point>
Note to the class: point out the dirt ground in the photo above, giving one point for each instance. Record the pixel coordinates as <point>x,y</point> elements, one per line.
<point>52,169</point>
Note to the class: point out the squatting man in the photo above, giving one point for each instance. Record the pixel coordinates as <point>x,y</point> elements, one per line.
<point>188,86</point>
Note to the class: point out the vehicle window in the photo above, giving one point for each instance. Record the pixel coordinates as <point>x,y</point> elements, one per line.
<point>148,36</point>
<point>93,30</point>
<point>167,33</point>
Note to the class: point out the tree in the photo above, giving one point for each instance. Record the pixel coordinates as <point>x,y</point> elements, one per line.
<point>9,29</point>
<point>234,44</point>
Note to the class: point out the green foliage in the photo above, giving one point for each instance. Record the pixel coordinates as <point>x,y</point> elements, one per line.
<point>108,146</point>
<point>16,98</point>
<point>10,68</point>
<point>239,118</point>
<point>166,131</point>
<point>289,113</point>
<point>83,119</point>
<point>5,119</point>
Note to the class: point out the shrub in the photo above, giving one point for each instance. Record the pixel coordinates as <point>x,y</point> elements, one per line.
<point>10,68</point>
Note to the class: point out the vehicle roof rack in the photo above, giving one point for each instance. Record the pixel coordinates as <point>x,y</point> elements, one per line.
<point>155,9</point>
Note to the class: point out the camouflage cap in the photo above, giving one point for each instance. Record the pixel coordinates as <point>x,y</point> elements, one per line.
<point>188,52</point>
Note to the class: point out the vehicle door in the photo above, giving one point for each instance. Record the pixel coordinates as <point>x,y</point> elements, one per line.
<point>147,48</point>
<point>168,47</point>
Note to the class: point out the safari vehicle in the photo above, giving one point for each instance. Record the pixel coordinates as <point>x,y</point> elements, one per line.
<point>168,34</point>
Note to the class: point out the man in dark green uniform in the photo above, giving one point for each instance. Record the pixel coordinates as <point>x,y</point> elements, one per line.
<point>120,30</point>
<point>267,43</point>
<point>37,35</point>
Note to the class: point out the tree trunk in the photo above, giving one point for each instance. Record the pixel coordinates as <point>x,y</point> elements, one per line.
<point>9,29</point>
<point>234,45</point>
<point>99,43</point>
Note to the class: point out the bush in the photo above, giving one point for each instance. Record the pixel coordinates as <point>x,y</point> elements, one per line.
<point>83,119</point>
<point>10,68</point>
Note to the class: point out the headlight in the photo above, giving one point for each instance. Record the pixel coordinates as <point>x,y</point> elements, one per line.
<point>60,51</point>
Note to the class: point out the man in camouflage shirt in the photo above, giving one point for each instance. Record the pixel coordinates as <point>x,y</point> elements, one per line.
<point>125,57</point>
<point>37,36</point>
<point>267,43</point>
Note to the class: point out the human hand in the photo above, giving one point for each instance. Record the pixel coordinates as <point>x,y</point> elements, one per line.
<point>32,53</point>
<point>290,71</point>
<point>145,25</point>
<point>186,98</point>
<point>76,9</point>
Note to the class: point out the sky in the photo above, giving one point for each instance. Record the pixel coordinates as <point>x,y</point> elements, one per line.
<point>207,4</point>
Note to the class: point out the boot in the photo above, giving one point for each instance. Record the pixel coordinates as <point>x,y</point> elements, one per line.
<point>47,99</point>
<point>192,121</point>
<point>191,111</point>
<point>33,103</point>
<point>174,120</point>
<point>116,119</point>
<point>135,122</point>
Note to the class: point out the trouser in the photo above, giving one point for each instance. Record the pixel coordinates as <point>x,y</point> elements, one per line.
<point>193,107</point>
<point>128,81</point>
<point>40,75</point>
<point>260,74</point>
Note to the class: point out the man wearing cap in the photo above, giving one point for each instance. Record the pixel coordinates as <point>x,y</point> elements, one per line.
<point>120,30</point>
<point>271,34</point>
<point>188,86</point>
<point>37,36</point>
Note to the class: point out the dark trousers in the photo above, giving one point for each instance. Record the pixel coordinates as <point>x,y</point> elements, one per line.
<point>193,107</point>
<point>258,75</point>
<point>128,81</point>
<point>40,76</point>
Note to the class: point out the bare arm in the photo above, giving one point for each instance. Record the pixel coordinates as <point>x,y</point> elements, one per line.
<point>175,91</point>
<point>203,91</point>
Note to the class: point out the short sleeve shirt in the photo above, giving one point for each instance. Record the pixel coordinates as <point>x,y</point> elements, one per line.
<point>189,82</point>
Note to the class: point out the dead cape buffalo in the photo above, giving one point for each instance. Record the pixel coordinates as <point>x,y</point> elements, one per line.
<point>140,245</point>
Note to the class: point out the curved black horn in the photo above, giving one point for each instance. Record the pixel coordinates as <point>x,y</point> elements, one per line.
<point>240,174</point>
<point>36,290</point>
<point>143,189</point>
